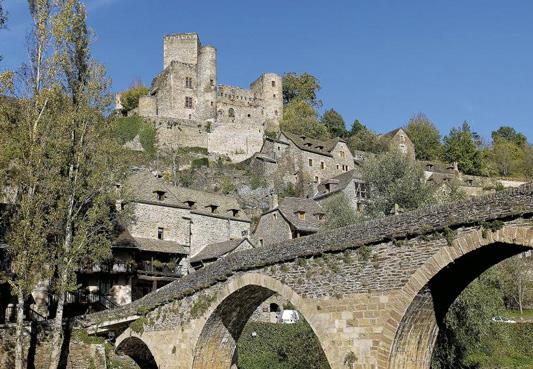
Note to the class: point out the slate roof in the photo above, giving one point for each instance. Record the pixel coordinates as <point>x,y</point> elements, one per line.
<point>341,181</point>
<point>312,145</point>
<point>216,250</point>
<point>289,206</point>
<point>144,187</point>
<point>393,132</point>
<point>126,241</point>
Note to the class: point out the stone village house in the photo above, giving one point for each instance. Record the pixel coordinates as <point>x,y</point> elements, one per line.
<point>171,227</point>
<point>293,217</point>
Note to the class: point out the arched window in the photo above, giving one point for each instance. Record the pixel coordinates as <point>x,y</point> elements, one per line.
<point>231,113</point>
<point>220,113</point>
<point>274,308</point>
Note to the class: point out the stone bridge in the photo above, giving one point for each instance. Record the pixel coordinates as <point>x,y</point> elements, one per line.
<point>374,293</point>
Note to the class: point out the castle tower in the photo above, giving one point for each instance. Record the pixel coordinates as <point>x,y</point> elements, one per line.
<point>182,47</point>
<point>269,87</point>
<point>207,83</point>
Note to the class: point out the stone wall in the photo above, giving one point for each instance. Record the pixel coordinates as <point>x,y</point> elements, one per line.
<point>271,229</point>
<point>239,141</point>
<point>175,222</point>
<point>180,47</point>
<point>182,133</point>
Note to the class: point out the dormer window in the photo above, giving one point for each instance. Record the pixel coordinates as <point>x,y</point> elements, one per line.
<point>308,144</point>
<point>160,195</point>
<point>160,233</point>
<point>234,212</point>
<point>429,166</point>
<point>320,147</point>
<point>302,137</point>
<point>212,207</point>
<point>190,203</point>
<point>319,216</point>
<point>301,215</point>
<point>342,154</point>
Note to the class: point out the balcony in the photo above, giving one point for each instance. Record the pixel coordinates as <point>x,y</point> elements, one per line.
<point>157,268</point>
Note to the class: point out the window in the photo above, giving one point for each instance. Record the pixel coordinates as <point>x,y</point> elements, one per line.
<point>301,215</point>
<point>342,154</point>
<point>244,233</point>
<point>275,215</point>
<point>190,116</point>
<point>160,233</point>
<point>273,83</point>
<point>402,138</point>
<point>231,113</point>
<point>249,115</point>
<point>234,212</point>
<point>316,179</point>
<point>213,208</point>
<point>310,162</point>
<point>212,103</point>
<point>322,165</point>
<point>190,203</point>
<point>188,102</point>
<point>160,195</point>
<point>188,82</point>
<point>319,216</point>
<point>362,190</point>
<point>276,113</point>
<point>261,243</point>
<point>403,148</point>
<point>338,166</point>
<point>212,82</point>
<point>274,96</point>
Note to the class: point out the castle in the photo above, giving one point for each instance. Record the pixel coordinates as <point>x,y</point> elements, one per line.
<point>191,110</point>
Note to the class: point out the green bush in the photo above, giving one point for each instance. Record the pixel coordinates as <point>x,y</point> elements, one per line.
<point>200,162</point>
<point>127,128</point>
<point>148,138</point>
<point>280,346</point>
<point>130,98</point>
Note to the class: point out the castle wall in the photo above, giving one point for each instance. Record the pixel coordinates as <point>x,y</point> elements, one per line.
<point>147,106</point>
<point>182,133</point>
<point>180,47</point>
<point>207,84</point>
<point>236,140</point>
<point>269,87</point>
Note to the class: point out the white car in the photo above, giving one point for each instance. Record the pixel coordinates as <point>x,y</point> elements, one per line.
<point>500,319</point>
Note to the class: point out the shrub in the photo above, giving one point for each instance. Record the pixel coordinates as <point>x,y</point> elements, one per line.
<point>200,162</point>
<point>130,98</point>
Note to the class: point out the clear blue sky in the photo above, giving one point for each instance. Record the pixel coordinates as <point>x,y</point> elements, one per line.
<point>379,61</point>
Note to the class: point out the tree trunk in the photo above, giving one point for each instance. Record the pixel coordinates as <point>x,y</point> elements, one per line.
<point>57,327</point>
<point>19,339</point>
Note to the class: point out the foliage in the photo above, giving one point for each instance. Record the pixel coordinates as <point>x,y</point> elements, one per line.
<point>82,336</point>
<point>462,146</point>
<point>201,305</point>
<point>517,281</point>
<point>200,162</point>
<point>365,140</point>
<point>127,128</point>
<point>356,127</point>
<point>227,186</point>
<point>509,134</point>
<point>130,98</point>
<point>257,181</point>
<point>137,325</point>
<point>334,123</point>
<point>301,118</point>
<point>338,211</point>
<point>394,179</point>
<point>303,87</point>
<point>425,136</point>
<point>280,346</point>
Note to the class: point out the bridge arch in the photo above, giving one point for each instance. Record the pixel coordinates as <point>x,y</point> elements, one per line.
<point>421,306</point>
<point>216,344</point>
<point>138,350</point>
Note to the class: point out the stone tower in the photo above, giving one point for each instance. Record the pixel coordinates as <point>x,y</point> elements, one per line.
<point>269,87</point>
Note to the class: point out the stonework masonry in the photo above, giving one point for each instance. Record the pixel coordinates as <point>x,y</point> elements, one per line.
<point>226,120</point>
<point>375,291</point>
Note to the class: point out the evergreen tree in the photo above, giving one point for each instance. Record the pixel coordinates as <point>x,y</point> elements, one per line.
<point>462,146</point>
<point>334,123</point>
<point>357,126</point>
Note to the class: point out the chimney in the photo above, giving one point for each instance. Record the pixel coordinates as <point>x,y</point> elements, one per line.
<point>273,200</point>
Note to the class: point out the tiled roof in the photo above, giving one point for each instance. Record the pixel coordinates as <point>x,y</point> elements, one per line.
<point>310,144</point>
<point>216,250</point>
<point>392,133</point>
<point>163,246</point>
<point>144,188</point>
<point>289,208</point>
<point>340,181</point>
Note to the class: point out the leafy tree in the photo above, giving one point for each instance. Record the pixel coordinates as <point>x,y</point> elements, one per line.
<point>425,136</point>
<point>516,279</point>
<point>509,134</point>
<point>338,211</point>
<point>467,327</point>
<point>462,146</point>
<point>527,164</point>
<point>334,123</point>
<point>130,98</point>
<point>506,157</point>
<point>394,179</point>
<point>357,126</point>
<point>301,87</point>
<point>366,140</point>
<point>301,118</point>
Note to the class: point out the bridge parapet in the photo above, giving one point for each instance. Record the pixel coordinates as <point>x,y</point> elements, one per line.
<point>425,221</point>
